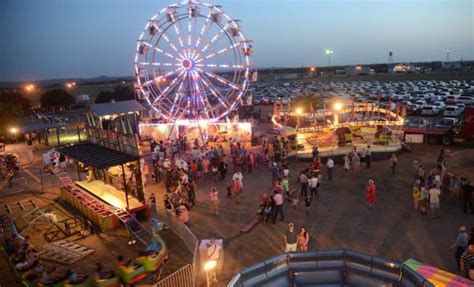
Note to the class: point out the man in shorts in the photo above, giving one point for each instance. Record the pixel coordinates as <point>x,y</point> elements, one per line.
<point>434,201</point>
<point>290,238</point>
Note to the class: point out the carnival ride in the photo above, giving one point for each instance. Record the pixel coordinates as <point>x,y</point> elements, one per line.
<point>346,123</point>
<point>192,66</point>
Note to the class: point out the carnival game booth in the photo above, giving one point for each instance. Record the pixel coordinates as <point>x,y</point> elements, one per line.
<point>205,131</point>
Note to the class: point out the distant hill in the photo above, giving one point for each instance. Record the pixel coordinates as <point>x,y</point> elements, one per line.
<point>60,82</point>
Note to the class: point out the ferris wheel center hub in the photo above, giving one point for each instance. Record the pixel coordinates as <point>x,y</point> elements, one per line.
<point>187,64</point>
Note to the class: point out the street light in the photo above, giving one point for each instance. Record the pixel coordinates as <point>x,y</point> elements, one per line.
<point>299,112</point>
<point>329,52</point>
<point>29,87</point>
<point>312,70</point>
<point>209,266</point>
<point>337,108</point>
<point>14,132</point>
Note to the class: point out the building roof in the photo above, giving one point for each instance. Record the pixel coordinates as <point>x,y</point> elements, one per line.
<point>38,127</point>
<point>96,156</point>
<point>114,108</point>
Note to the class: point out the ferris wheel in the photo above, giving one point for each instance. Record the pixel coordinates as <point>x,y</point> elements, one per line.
<point>193,62</point>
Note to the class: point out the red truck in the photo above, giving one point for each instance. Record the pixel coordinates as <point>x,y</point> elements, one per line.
<point>460,132</point>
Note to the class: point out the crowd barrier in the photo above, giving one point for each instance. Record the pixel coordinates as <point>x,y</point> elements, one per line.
<point>328,268</point>
<point>188,238</point>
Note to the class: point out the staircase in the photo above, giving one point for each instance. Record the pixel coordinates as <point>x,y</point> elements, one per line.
<point>133,226</point>
<point>10,174</point>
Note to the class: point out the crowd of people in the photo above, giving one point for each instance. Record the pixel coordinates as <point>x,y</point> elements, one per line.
<point>180,166</point>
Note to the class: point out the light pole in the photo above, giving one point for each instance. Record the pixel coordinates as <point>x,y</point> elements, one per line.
<point>209,266</point>
<point>312,70</point>
<point>329,52</point>
<point>337,108</point>
<point>447,55</point>
<point>14,132</point>
<point>299,112</point>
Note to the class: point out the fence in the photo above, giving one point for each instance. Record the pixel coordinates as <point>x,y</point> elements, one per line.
<point>182,278</point>
<point>189,239</point>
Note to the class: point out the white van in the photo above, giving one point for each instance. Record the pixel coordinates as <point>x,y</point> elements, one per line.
<point>428,110</point>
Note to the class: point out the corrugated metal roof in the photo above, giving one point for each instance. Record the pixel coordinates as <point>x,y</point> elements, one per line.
<point>38,127</point>
<point>122,107</point>
<point>96,156</point>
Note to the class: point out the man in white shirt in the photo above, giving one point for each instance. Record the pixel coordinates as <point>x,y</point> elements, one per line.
<point>213,250</point>
<point>330,166</point>
<point>278,198</point>
<point>313,185</point>
<point>434,201</point>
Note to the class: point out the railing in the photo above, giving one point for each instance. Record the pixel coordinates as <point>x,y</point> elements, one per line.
<point>186,235</point>
<point>182,278</point>
<point>128,144</point>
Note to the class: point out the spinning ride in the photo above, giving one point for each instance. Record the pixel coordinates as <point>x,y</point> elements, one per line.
<point>193,62</point>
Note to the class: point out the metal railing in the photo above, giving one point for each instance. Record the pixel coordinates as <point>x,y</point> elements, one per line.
<point>186,235</point>
<point>182,278</point>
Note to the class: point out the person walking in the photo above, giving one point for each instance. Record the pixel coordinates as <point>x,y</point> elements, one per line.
<point>277,197</point>
<point>416,195</point>
<point>356,161</point>
<point>371,194</point>
<point>393,163</point>
<point>466,188</point>
<point>274,171</point>
<point>368,156</point>
<point>303,239</point>
<point>313,185</point>
<point>291,238</point>
<point>347,163</point>
<point>330,166</point>
<point>304,183</point>
<point>237,190</point>
<point>460,245</point>
<point>214,197</point>
<point>434,200</point>
<point>152,200</point>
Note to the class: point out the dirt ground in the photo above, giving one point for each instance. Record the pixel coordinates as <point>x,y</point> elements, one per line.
<point>338,219</point>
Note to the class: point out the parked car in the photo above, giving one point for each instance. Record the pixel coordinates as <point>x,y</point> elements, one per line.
<point>420,104</point>
<point>416,123</point>
<point>429,110</point>
<point>439,106</point>
<point>445,123</point>
<point>452,111</point>
<point>467,100</point>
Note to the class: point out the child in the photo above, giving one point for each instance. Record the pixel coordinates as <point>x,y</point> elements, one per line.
<point>237,189</point>
<point>307,203</point>
<point>416,195</point>
<point>295,201</point>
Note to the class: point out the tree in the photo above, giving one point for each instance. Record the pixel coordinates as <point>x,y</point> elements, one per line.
<point>120,93</point>
<point>304,101</point>
<point>56,98</point>
<point>12,105</point>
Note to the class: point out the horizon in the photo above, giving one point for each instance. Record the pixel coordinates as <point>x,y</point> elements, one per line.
<point>62,46</point>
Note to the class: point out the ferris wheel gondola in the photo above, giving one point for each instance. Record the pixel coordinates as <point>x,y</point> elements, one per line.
<point>193,61</point>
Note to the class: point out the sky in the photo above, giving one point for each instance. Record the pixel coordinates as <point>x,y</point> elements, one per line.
<point>47,39</point>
